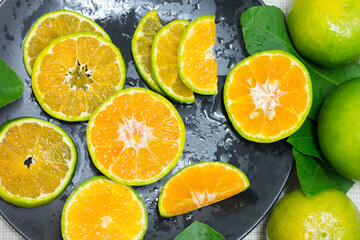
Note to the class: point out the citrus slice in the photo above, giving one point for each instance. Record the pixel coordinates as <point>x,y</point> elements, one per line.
<point>51,26</point>
<point>199,185</point>
<point>136,137</point>
<point>141,44</point>
<point>75,74</point>
<point>268,96</point>
<point>37,161</point>
<point>102,209</point>
<point>195,59</point>
<point>164,62</point>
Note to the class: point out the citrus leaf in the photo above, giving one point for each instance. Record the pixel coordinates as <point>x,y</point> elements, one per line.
<point>11,86</point>
<point>305,140</point>
<point>199,231</point>
<point>314,177</point>
<point>264,28</point>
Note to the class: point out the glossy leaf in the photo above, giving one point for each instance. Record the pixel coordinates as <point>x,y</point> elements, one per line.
<point>199,231</point>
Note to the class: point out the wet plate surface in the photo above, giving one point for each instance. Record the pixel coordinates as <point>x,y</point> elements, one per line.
<point>209,134</point>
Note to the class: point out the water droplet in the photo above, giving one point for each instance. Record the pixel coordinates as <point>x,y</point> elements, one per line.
<point>259,43</point>
<point>267,29</point>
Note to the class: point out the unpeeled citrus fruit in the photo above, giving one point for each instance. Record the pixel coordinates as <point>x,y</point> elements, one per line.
<point>339,128</point>
<point>136,137</point>
<point>327,215</point>
<point>195,58</point>
<point>328,34</point>
<point>51,26</point>
<point>268,96</point>
<point>199,185</point>
<point>141,43</point>
<point>37,161</point>
<point>75,74</point>
<point>164,62</point>
<point>102,209</point>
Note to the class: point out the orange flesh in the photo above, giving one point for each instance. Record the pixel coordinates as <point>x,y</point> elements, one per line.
<point>104,210</point>
<point>135,137</point>
<point>78,76</point>
<point>214,182</point>
<point>289,95</point>
<point>50,154</point>
<point>199,65</point>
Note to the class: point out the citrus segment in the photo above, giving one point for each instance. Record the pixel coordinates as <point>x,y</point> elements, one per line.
<point>51,26</point>
<point>199,185</point>
<point>164,62</point>
<point>37,161</point>
<point>141,44</point>
<point>195,59</point>
<point>69,83</point>
<point>136,137</point>
<point>102,209</point>
<point>268,96</point>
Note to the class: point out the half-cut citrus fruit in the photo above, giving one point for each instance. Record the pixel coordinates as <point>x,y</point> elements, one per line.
<point>268,96</point>
<point>75,74</point>
<point>164,62</point>
<point>136,137</point>
<point>37,161</point>
<point>199,185</point>
<point>102,209</point>
<point>195,59</point>
<point>141,44</point>
<point>51,26</point>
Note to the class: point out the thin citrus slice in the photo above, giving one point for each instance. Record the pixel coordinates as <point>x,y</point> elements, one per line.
<point>199,185</point>
<point>51,26</point>
<point>37,161</point>
<point>75,74</point>
<point>195,59</point>
<point>164,62</point>
<point>268,96</point>
<point>136,137</point>
<point>102,209</point>
<point>141,44</point>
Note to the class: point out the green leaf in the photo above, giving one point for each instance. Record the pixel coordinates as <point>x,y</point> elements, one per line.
<point>264,28</point>
<point>199,231</point>
<point>11,86</point>
<point>306,140</point>
<point>314,177</point>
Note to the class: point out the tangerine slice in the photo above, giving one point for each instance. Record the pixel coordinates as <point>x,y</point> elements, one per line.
<point>102,209</point>
<point>75,74</point>
<point>268,96</point>
<point>199,185</point>
<point>37,161</point>
<point>136,137</point>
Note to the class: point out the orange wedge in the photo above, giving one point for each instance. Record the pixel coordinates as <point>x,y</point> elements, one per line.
<point>195,58</point>
<point>136,137</point>
<point>199,185</point>
<point>268,96</point>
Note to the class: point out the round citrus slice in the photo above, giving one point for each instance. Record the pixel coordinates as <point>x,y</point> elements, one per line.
<point>51,26</point>
<point>164,62</point>
<point>268,96</point>
<point>195,59</point>
<point>199,185</point>
<point>102,209</point>
<point>37,161</point>
<point>141,44</point>
<point>75,74</point>
<point>136,137</point>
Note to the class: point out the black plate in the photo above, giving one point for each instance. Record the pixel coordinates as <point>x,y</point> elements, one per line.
<point>209,134</point>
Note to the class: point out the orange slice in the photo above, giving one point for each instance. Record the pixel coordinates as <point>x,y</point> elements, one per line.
<point>195,59</point>
<point>37,161</point>
<point>136,137</point>
<point>51,26</point>
<point>102,209</point>
<point>268,96</point>
<point>75,74</point>
<point>199,185</point>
